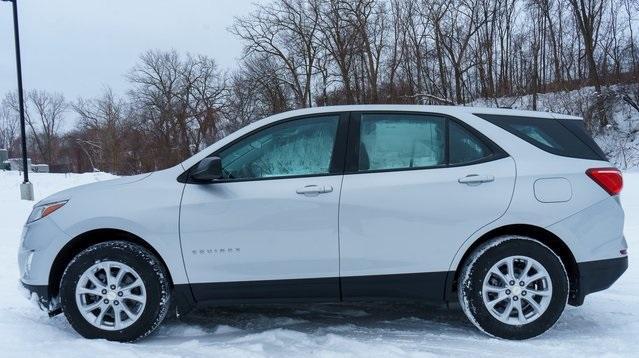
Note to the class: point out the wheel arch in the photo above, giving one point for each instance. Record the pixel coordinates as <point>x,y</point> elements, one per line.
<point>88,239</point>
<point>546,237</point>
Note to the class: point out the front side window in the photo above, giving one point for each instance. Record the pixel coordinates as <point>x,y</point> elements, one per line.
<point>298,147</point>
<point>394,141</point>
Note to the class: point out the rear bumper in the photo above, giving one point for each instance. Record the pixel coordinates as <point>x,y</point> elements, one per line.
<point>597,276</point>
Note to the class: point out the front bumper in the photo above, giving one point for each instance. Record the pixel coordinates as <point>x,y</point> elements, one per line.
<point>39,294</point>
<point>597,276</point>
<point>40,243</point>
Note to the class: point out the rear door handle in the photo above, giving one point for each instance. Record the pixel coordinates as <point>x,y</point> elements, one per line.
<point>475,179</point>
<point>312,190</point>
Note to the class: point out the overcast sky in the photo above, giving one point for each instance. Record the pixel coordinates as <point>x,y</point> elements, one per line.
<point>79,46</point>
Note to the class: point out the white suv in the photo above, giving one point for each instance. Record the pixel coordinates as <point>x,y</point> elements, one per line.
<point>511,213</point>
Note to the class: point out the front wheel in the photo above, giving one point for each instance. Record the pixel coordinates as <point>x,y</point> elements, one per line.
<point>115,290</point>
<point>513,287</point>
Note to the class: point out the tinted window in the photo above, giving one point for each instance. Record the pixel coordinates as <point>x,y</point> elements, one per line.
<point>464,146</point>
<point>548,134</point>
<point>390,141</point>
<point>299,147</point>
<point>579,129</point>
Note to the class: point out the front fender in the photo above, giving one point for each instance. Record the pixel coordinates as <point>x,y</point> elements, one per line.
<point>164,239</point>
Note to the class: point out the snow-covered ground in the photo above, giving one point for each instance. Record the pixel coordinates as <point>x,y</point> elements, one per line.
<point>606,325</point>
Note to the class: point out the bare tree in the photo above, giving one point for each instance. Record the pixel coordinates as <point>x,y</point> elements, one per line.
<point>178,102</point>
<point>304,53</point>
<point>455,24</point>
<point>285,30</point>
<point>8,126</point>
<point>588,15</point>
<point>369,19</point>
<point>44,114</point>
<point>102,120</point>
<point>339,40</point>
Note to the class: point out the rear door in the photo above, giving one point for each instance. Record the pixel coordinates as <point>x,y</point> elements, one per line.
<point>415,188</point>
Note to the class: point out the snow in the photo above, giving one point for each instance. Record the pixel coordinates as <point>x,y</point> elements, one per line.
<point>606,324</point>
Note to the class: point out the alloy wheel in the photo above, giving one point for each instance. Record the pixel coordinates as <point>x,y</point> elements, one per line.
<point>110,295</point>
<point>517,290</point>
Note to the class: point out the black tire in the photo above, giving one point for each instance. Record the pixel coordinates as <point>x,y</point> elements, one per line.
<point>151,272</point>
<point>482,260</point>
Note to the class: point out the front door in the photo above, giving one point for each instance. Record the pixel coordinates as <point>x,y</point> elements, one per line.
<point>268,229</point>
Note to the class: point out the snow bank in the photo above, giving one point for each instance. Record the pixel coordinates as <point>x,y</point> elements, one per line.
<point>606,325</point>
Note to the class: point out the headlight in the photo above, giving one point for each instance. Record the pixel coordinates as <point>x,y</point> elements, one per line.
<point>44,210</point>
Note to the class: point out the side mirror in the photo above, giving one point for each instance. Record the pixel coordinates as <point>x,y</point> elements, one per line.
<point>208,169</point>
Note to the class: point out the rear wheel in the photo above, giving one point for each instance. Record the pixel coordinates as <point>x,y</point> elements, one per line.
<point>513,288</point>
<point>115,290</point>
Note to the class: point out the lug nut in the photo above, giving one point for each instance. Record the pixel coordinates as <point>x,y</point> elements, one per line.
<point>106,301</point>
<point>523,293</point>
<point>515,298</point>
<point>521,283</point>
<point>120,294</point>
<point>113,287</point>
<point>512,283</point>
<point>508,292</point>
<point>116,302</point>
<point>104,292</point>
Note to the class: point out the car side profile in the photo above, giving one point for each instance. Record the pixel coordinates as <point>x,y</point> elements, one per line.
<point>512,214</point>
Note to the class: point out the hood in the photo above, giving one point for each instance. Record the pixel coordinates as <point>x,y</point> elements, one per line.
<point>101,185</point>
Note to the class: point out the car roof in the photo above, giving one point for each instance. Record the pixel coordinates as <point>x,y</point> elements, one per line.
<point>451,110</point>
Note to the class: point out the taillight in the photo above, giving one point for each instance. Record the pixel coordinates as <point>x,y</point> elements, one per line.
<point>609,179</point>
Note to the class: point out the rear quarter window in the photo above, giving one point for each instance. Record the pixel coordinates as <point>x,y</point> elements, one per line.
<point>564,137</point>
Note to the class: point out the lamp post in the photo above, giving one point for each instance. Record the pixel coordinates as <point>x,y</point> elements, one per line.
<point>26,188</point>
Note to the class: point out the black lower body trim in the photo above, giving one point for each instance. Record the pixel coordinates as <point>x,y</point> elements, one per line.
<point>426,287</point>
<point>44,299</point>
<point>41,290</point>
<point>182,299</point>
<point>270,291</point>
<point>596,276</point>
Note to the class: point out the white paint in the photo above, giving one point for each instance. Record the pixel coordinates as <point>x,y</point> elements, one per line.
<point>278,234</point>
<point>553,190</point>
<point>605,326</point>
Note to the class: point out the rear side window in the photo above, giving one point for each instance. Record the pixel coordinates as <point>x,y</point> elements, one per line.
<point>565,137</point>
<point>464,146</point>
<point>579,129</point>
<point>401,141</point>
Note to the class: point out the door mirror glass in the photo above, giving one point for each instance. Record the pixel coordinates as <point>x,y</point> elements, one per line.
<point>208,169</point>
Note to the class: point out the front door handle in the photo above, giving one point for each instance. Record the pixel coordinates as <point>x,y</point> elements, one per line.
<point>312,190</point>
<point>475,179</point>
